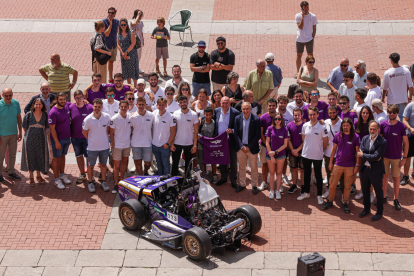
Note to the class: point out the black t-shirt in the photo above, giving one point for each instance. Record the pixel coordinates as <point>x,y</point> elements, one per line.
<point>226,58</point>
<point>256,107</point>
<point>200,61</point>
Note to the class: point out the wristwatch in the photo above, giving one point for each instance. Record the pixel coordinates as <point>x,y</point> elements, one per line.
<point>167,144</point>
<point>276,152</point>
<point>201,68</point>
<point>357,165</point>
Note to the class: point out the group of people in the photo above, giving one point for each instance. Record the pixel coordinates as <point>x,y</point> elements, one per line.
<point>351,134</point>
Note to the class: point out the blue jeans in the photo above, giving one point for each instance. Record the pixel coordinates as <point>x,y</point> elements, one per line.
<point>198,86</point>
<point>162,156</point>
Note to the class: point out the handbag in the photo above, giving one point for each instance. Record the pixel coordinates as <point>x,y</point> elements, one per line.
<point>100,57</point>
<point>137,41</point>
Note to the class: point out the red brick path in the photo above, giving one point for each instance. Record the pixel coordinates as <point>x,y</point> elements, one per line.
<point>62,9</point>
<point>324,10</point>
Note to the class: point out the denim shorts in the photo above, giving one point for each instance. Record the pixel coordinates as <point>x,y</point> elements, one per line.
<point>198,86</point>
<point>64,143</point>
<point>279,157</point>
<point>80,145</point>
<point>93,156</point>
<point>142,153</point>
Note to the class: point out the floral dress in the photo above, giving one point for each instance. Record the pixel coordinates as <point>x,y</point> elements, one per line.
<point>130,67</point>
<point>35,149</point>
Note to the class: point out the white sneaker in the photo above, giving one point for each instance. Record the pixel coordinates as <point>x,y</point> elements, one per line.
<point>290,177</point>
<point>285,179</point>
<point>278,195</point>
<point>326,194</point>
<point>372,197</point>
<point>303,196</point>
<point>281,190</point>
<point>359,196</point>
<point>263,186</point>
<point>59,184</point>
<point>325,180</point>
<point>320,200</point>
<point>65,179</point>
<point>271,194</point>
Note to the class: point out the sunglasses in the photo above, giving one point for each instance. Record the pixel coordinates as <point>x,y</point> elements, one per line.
<point>278,119</point>
<point>344,65</point>
<point>356,67</point>
<point>314,94</point>
<point>220,43</point>
<point>201,47</point>
<point>345,80</point>
<point>184,89</point>
<point>342,103</point>
<point>130,99</point>
<point>110,96</point>
<point>311,62</point>
<point>169,94</point>
<point>111,12</point>
<point>122,25</point>
<point>391,112</point>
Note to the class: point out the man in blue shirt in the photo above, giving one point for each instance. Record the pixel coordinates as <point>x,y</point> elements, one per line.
<point>277,74</point>
<point>335,78</point>
<point>110,36</point>
<point>10,131</point>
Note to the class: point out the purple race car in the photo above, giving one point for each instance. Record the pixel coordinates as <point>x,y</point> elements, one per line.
<point>185,213</point>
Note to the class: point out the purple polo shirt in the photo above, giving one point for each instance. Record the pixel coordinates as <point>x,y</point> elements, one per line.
<point>78,115</point>
<point>96,95</point>
<point>277,139</point>
<point>364,131</point>
<point>119,95</point>
<point>346,151</point>
<point>265,122</point>
<point>394,135</point>
<point>326,114</point>
<point>295,133</point>
<point>321,107</point>
<point>351,115</point>
<point>61,119</point>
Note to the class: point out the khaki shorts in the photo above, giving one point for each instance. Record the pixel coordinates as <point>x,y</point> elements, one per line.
<point>300,47</point>
<point>117,154</point>
<point>274,93</point>
<point>161,51</point>
<point>217,86</point>
<point>114,52</point>
<point>262,155</point>
<point>393,163</point>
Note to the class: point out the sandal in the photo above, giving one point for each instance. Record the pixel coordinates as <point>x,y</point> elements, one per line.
<point>32,182</point>
<point>157,69</point>
<point>40,179</point>
<point>165,74</point>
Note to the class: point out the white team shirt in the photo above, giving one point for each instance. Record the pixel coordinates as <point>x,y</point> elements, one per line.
<point>358,107</point>
<point>110,109</point>
<point>160,94</point>
<point>396,81</point>
<point>97,131</point>
<point>380,117</point>
<point>313,144</point>
<point>162,127</point>
<point>332,130</point>
<point>185,124</point>
<point>146,97</point>
<point>293,105</point>
<point>309,20</point>
<point>287,116</point>
<point>173,107</point>
<point>374,93</point>
<point>141,129</point>
<point>349,92</point>
<point>122,131</point>
<point>134,109</point>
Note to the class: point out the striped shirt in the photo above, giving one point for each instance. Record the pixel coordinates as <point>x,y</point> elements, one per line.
<point>59,78</point>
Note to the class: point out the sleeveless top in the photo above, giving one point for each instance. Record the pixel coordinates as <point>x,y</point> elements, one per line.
<point>200,112</point>
<point>236,94</point>
<point>309,78</point>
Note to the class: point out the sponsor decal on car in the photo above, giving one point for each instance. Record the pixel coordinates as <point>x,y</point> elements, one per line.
<point>160,211</point>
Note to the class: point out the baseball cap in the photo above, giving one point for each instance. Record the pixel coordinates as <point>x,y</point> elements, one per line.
<point>269,57</point>
<point>141,81</point>
<point>201,43</point>
<point>377,103</point>
<point>220,38</point>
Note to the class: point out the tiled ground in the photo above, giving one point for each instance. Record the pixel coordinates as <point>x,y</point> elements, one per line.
<point>324,10</point>
<point>61,9</point>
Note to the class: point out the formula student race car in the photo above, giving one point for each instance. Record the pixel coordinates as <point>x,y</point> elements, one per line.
<point>185,213</point>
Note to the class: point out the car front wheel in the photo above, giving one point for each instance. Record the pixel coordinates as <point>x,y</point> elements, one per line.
<point>132,214</point>
<point>197,243</point>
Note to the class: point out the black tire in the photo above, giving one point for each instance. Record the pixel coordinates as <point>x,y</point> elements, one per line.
<point>254,220</point>
<point>197,243</point>
<point>132,214</point>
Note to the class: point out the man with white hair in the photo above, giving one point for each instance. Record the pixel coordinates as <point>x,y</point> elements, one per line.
<point>360,78</point>
<point>277,73</point>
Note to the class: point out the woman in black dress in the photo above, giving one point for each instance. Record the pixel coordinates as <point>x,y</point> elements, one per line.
<point>232,89</point>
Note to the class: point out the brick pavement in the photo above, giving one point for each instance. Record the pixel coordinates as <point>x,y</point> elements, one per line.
<point>61,9</point>
<point>324,10</point>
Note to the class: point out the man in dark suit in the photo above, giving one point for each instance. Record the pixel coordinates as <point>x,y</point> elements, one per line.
<point>224,117</point>
<point>247,131</point>
<point>372,150</point>
<point>46,96</point>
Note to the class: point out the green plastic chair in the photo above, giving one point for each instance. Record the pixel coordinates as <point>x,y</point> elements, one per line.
<point>180,28</point>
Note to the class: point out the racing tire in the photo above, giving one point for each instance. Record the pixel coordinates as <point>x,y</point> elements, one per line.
<point>254,220</point>
<point>197,243</point>
<point>132,214</point>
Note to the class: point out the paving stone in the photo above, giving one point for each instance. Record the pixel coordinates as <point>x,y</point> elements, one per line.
<point>3,78</point>
<point>394,273</point>
<point>178,259</point>
<point>334,29</point>
<point>23,79</point>
<point>244,259</point>
<point>362,273</point>
<point>84,27</point>
<point>62,271</point>
<point>100,258</point>
<point>287,28</point>
<point>357,28</point>
<point>101,271</point>
<point>403,28</point>
<point>114,213</point>
<point>21,258</point>
<point>124,241</point>
<point>331,272</point>
<point>146,244</point>
<point>2,252</point>
<point>229,272</point>
<point>244,27</point>
<point>267,28</point>
<point>331,259</point>
<point>143,258</point>
<point>355,261</point>
<point>2,269</point>
<point>58,258</point>
<point>393,262</point>
<point>4,26</point>
<point>115,227</point>
<point>269,272</point>
<point>43,27</point>
<point>25,88</point>
<point>129,271</point>
<point>24,271</point>
<point>222,28</point>
<point>179,272</point>
<point>380,28</point>
<point>281,260</point>
<point>20,26</point>
<point>66,27</point>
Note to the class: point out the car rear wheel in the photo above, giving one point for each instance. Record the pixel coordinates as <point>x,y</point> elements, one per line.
<point>197,243</point>
<point>132,214</point>
<point>252,217</point>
